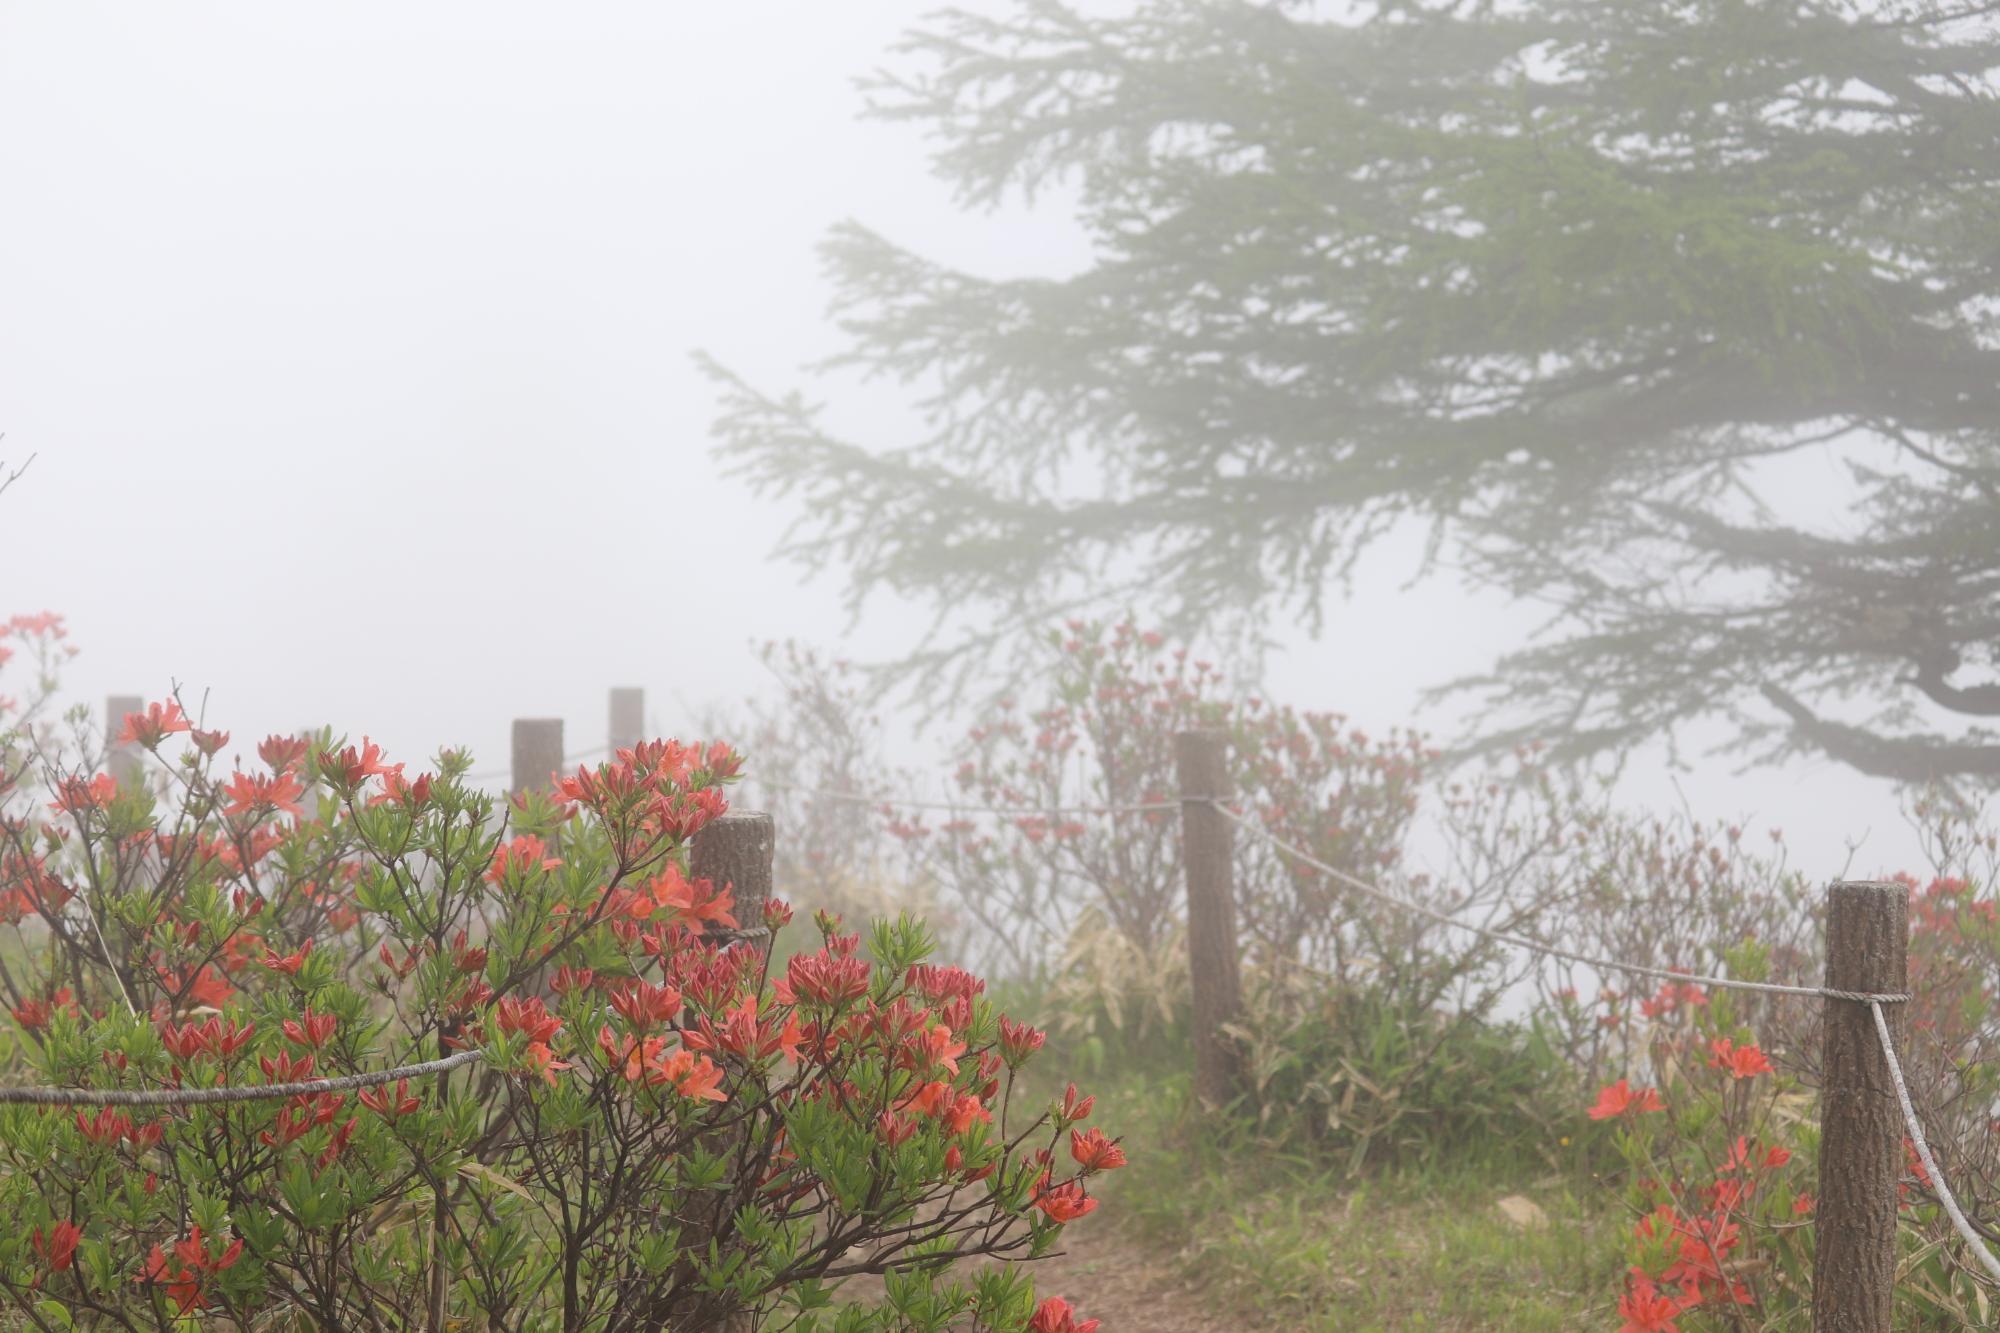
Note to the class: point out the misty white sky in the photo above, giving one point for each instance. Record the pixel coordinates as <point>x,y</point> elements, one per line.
<point>353,345</point>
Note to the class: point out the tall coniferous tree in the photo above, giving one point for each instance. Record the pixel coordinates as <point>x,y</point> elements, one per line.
<point>1600,291</point>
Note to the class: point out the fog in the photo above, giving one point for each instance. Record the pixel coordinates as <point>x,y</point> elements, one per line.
<point>353,349</point>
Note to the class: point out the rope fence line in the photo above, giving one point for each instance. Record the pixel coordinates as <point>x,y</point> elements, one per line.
<point>246,1093</point>
<point>890,802</point>
<point>1972,1238</point>
<point>963,808</point>
<point>1362,886</point>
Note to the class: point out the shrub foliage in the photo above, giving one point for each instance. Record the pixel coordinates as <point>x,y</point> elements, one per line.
<point>660,1130</point>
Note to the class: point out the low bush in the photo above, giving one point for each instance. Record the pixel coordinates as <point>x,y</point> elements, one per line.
<point>659,1130</point>
<point>1720,1148</point>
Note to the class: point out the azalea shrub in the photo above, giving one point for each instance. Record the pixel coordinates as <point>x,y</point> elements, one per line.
<point>1084,890</point>
<point>1101,733</point>
<point>1718,1178</point>
<point>1718,1136</point>
<point>653,1124</point>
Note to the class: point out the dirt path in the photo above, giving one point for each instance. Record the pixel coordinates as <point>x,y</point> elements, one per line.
<point>1127,1285</point>
<point>1130,1287</point>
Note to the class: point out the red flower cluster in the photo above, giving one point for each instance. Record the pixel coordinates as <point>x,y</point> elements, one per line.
<point>1056,1315</point>
<point>387,1104</point>
<point>1647,1309</point>
<point>1617,1099</point>
<point>350,768</point>
<point>1740,1061</point>
<point>217,1037</point>
<point>646,788</point>
<point>189,1271</point>
<point>1671,997</point>
<point>154,725</point>
<point>58,1248</point>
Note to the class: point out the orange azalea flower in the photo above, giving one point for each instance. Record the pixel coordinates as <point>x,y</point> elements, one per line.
<point>1074,1110</point>
<point>1616,1099</point>
<point>684,814</point>
<point>1094,1152</point>
<point>1913,1164</point>
<point>183,1277</point>
<point>250,793</point>
<point>1056,1315</point>
<point>1741,1062</point>
<point>895,1128</point>
<point>284,1069</point>
<point>643,1004</point>
<point>544,1061</point>
<point>1702,1243</point>
<point>290,963</point>
<point>215,1037</point>
<point>693,902</point>
<point>75,795</point>
<point>522,856</point>
<point>633,1056</point>
<point>205,987</point>
<point>58,1249</point>
<point>597,788</point>
<point>530,1016</point>
<point>105,1128</point>
<point>955,1110</point>
<point>1064,1203</point>
<point>570,979</point>
<point>282,752</point>
<point>744,1034</point>
<point>154,725</point>
<point>349,768</point>
<point>311,1030</point>
<point>34,1014</point>
<point>412,795</point>
<point>657,761</point>
<point>1647,1309</point>
<point>1018,1041</point>
<point>936,1047</point>
<point>822,979</point>
<point>695,1077</point>
<point>1741,1154</point>
<point>388,1104</point>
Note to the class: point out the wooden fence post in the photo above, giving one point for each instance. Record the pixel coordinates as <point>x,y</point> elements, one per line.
<point>736,851</point>
<point>538,751</point>
<point>1861,1123</point>
<point>121,761</point>
<point>628,716</point>
<point>1207,843</point>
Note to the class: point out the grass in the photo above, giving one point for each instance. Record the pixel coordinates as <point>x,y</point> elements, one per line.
<point>1292,1243</point>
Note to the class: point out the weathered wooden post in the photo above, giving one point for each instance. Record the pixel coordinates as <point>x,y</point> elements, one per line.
<point>1861,1124</point>
<point>538,751</point>
<point>121,761</point>
<point>737,851</point>
<point>1207,843</point>
<point>628,716</point>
